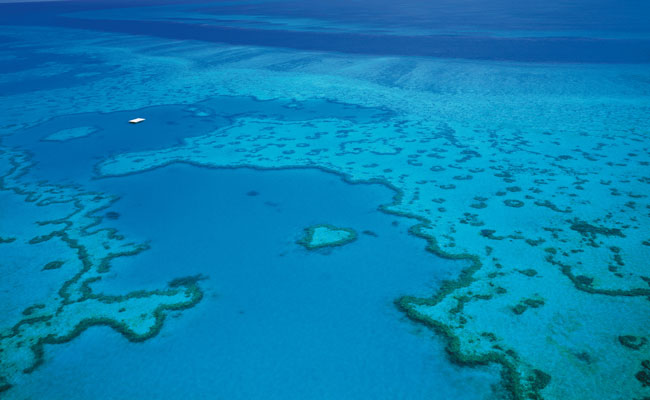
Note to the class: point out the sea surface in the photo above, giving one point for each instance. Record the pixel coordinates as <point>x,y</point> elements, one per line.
<point>489,160</point>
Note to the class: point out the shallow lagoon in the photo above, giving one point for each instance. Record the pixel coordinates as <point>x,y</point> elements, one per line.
<point>72,160</point>
<point>277,321</point>
<point>582,127</point>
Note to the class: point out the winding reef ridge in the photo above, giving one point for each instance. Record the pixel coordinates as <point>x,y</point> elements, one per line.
<point>536,176</point>
<point>546,275</point>
<point>59,228</point>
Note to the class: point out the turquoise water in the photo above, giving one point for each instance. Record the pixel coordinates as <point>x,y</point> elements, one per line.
<point>72,161</point>
<point>278,321</point>
<point>487,160</point>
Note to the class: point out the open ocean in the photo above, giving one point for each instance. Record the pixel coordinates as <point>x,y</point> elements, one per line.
<point>361,199</point>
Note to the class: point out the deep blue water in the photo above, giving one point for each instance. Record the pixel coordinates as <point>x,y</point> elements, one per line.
<point>73,161</point>
<point>278,321</point>
<point>580,29</point>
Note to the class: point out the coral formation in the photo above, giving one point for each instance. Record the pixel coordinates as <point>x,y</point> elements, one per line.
<point>65,217</point>
<point>325,235</point>
<point>499,169</point>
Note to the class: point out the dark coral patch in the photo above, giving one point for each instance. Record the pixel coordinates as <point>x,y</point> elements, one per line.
<point>513,203</point>
<point>187,281</point>
<point>587,229</point>
<point>584,280</point>
<point>632,342</point>
<point>53,265</point>
<point>528,272</point>
<point>542,379</point>
<point>112,215</point>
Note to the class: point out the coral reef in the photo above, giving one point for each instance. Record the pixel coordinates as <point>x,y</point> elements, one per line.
<point>536,284</point>
<point>557,156</point>
<point>325,235</point>
<point>58,217</point>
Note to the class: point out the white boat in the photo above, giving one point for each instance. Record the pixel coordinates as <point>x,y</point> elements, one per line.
<point>136,120</point>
